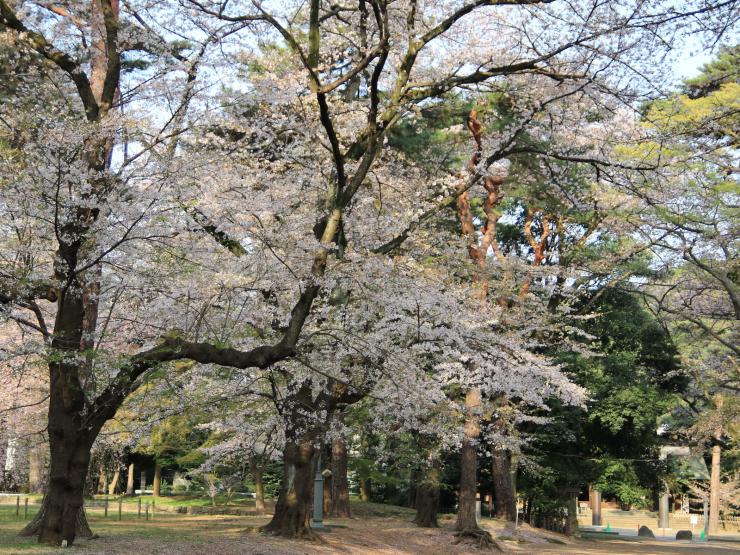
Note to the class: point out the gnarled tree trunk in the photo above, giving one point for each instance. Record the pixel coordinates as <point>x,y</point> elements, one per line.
<point>292,518</point>
<point>339,482</point>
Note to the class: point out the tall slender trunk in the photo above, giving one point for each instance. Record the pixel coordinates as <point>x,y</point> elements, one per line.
<point>340,484</point>
<point>427,497</point>
<point>114,482</point>
<point>130,480</point>
<point>157,478</point>
<point>466,513</point>
<point>714,490</point>
<point>293,508</point>
<point>503,488</point>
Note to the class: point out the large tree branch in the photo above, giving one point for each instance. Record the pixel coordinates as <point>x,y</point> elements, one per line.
<point>63,61</point>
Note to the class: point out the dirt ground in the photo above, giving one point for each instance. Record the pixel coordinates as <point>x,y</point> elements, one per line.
<point>366,535</point>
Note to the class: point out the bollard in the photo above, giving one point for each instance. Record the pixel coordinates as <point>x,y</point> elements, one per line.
<point>152,509</point>
<point>18,505</point>
<point>120,500</point>
<point>105,510</point>
<point>25,510</point>
<point>139,515</point>
<point>147,511</point>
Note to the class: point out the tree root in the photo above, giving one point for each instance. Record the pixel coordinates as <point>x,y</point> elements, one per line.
<point>478,537</point>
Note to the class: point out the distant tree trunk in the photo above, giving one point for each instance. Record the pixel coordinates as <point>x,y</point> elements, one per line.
<point>102,480</point>
<point>157,478</point>
<point>259,490</point>
<point>714,482</point>
<point>466,513</point>
<point>503,488</point>
<point>293,508</point>
<point>114,482</point>
<point>714,490</point>
<point>427,498</point>
<point>36,469</point>
<point>340,484</point>
<point>130,480</point>
<point>365,489</point>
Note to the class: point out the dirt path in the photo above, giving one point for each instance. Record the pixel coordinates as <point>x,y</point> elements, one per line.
<point>368,535</point>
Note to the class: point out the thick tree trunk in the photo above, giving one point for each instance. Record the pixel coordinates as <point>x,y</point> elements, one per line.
<point>466,514</point>
<point>33,527</point>
<point>427,498</point>
<point>36,468</point>
<point>114,482</point>
<point>259,490</point>
<point>157,479</point>
<point>130,480</point>
<point>339,482</point>
<point>503,488</point>
<point>292,518</point>
<point>62,508</point>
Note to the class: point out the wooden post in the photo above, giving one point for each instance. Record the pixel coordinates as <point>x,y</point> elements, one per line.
<point>153,506</point>
<point>139,516</point>
<point>105,513</point>
<point>25,510</point>
<point>147,511</point>
<point>18,505</point>
<point>120,500</point>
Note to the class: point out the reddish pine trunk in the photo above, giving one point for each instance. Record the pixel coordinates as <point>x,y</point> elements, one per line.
<point>293,509</point>
<point>340,483</point>
<point>365,489</point>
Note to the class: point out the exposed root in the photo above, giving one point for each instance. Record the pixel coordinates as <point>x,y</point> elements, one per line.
<point>478,537</point>
<point>303,533</point>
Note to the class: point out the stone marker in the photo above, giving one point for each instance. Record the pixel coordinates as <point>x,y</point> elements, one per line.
<point>645,532</point>
<point>684,535</point>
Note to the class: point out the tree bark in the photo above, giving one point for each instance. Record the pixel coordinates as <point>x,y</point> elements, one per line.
<point>157,478</point>
<point>36,469</point>
<point>259,490</point>
<point>427,498</point>
<point>365,489</point>
<point>114,482</point>
<point>503,488</point>
<point>293,508</point>
<point>714,490</point>
<point>33,527</point>
<point>466,514</point>
<point>102,480</point>
<point>340,484</point>
<point>130,480</point>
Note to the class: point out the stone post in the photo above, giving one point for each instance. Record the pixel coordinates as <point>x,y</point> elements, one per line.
<point>317,521</point>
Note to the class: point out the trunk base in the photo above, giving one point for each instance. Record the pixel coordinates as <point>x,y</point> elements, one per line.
<point>478,537</point>
<point>82,528</point>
